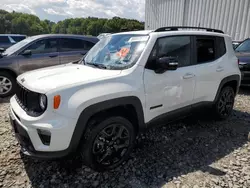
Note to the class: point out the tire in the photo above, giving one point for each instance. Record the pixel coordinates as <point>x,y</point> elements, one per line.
<point>7,84</point>
<point>225,103</point>
<point>99,151</point>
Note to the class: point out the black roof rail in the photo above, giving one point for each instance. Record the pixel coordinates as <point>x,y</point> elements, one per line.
<point>176,28</point>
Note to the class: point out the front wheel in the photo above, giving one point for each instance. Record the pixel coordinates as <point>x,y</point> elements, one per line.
<point>225,103</point>
<point>108,143</point>
<point>7,84</point>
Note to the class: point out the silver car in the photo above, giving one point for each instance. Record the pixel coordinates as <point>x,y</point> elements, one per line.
<point>38,52</point>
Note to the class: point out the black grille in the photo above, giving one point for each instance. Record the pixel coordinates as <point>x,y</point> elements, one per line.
<point>28,100</point>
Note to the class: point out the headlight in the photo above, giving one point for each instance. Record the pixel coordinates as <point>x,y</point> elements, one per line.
<point>43,101</point>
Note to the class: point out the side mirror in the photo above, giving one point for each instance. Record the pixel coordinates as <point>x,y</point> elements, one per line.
<point>27,52</point>
<point>166,63</point>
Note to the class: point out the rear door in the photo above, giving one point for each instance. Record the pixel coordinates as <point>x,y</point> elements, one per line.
<point>44,53</point>
<point>72,49</point>
<point>210,66</point>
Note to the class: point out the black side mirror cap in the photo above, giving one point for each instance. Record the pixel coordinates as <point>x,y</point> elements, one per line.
<point>166,63</point>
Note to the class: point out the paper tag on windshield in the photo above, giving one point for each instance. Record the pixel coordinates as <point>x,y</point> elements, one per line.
<point>138,39</point>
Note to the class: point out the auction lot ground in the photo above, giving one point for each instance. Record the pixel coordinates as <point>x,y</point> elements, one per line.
<point>191,153</point>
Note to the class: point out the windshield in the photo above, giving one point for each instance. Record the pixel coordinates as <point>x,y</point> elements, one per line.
<point>17,46</point>
<point>117,51</point>
<point>244,46</point>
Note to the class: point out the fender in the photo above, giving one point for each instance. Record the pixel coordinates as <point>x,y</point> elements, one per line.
<point>235,77</point>
<point>105,105</point>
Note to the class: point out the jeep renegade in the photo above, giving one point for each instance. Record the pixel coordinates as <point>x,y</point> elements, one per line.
<point>125,83</point>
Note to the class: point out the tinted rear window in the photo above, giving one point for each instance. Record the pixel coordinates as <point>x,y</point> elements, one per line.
<point>220,46</point>
<point>18,38</point>
<point>68,44</point>
<point>4,39</point>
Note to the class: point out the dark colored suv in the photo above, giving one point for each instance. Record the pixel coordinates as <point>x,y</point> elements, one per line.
<point>243,54</point>
<point>7,40</point>
<point>38,52</point>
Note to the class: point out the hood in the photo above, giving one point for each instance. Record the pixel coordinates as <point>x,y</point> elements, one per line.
<point>43,80</point>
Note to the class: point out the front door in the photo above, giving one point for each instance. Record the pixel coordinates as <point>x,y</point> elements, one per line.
<point>44,53</point>
<point>170,90</point>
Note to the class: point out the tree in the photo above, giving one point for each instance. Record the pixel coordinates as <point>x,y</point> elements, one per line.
<point>28,24</point>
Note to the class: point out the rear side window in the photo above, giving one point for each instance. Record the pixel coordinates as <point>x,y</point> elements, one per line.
<point>68,44</point>
<point>244,46</point>
<point>18,38</point>
<point>220,46</point>
<point>4,39</point>
<point>88,45</point>
<point>205,49</point>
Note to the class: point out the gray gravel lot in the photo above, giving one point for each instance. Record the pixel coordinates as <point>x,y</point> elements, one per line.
<point>191,153</point>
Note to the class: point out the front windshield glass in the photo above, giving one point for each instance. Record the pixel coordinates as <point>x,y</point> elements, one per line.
<point>244,46</point>
<point>117,51</point>
<point>17,46</point>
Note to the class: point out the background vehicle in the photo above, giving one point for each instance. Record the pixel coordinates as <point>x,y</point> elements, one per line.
<point>243,54</point>
<point>103,35</point>
<point>236,44</point>
<point>126,83</point>
<point>38,52</point>
<point>7,40</point>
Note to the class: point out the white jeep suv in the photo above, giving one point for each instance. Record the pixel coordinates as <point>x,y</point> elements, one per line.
<point>127,82</point>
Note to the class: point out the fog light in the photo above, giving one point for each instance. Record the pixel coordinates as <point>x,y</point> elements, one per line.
<point>45,136</point>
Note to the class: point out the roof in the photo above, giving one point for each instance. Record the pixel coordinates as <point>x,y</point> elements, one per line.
<point>12,35</point>
<point>65,35</point>
<point>141,32</point>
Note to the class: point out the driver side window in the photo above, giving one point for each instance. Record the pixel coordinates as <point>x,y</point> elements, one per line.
<point>43,46</point>
<point>177,46</point>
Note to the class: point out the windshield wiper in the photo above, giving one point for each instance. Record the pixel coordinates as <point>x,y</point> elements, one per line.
<point>97,65</point>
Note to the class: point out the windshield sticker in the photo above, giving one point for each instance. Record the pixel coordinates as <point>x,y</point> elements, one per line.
<point>123,52</point>
<point>138,39</point>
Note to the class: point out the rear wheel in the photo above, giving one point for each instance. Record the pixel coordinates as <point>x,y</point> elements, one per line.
<point>7,84</point>
<point>225,103</point>
<point>108,143</point>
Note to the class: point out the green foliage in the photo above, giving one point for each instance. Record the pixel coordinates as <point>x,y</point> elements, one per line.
<point>28,24</point>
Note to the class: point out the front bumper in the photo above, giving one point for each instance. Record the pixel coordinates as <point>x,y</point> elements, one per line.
<point>26,131</point>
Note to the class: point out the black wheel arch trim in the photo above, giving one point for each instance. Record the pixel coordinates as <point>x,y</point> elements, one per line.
<point>235,77</point>
<point>88,112</point>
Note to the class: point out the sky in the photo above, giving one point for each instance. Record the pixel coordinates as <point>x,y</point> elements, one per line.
<point>56,10</point>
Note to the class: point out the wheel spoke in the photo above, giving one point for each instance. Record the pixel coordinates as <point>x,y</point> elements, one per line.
<point>117,147</point>
<point>4,80</point>
<point>105,156</point>
<point>1,89</point>
<point>7,84</point>
<point>6,88</point>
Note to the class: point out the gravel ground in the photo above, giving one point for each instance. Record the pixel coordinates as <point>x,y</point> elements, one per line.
<point>191,153</point>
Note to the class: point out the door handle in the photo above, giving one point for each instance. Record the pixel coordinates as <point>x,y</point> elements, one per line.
<point>188,76</point>
<point>220,69</point>
<point>51,56</point>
